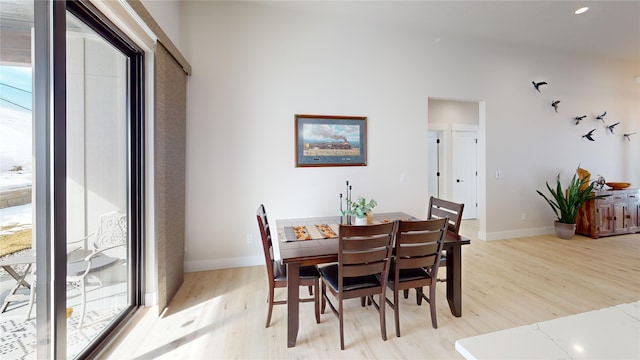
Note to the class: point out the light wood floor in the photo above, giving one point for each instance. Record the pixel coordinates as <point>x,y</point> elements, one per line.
<point>508,283</point>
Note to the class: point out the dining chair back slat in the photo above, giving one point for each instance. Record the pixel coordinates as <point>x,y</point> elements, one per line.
<point>363,269</point>
<point>414,261</point>
<point>356,243</point>
<point>356,258</point>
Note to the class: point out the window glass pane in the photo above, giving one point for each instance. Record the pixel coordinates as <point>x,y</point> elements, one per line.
<point>97,218</point>
<point>17,254</point>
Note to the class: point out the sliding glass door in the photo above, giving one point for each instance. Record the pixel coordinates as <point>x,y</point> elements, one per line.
<point>103,184</point>
<point>71,114</point>
<point>98,161</point>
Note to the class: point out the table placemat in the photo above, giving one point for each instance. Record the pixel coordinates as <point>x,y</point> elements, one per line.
<point>318,231</point>
<point>310,232</point>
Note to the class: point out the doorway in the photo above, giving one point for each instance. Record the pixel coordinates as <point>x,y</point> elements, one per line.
<point>453,157</point>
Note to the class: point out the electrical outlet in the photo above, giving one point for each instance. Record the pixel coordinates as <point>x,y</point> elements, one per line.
<point>249,239</point>
<point>500,174</point>
<point>524,216</point>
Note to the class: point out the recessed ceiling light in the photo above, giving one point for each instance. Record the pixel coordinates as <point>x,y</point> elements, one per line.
<point>582,10</point>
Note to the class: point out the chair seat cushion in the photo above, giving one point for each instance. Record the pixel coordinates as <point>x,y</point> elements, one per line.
<point>280,271</point>
<point>330,274</point>
<point>98,262</point>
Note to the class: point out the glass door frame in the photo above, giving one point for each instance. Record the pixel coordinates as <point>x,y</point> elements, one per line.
<point>50,168</point>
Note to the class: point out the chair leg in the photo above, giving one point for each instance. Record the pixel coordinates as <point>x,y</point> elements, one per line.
<point>322,296</point>
<point>310,290</point>
<point>406,293</point>
<point>340,316</point>
<point>396,310</point>
<point>419,293</point>
<point>432,304</point>
<point>83,289</point>
<point>316,301</point>
<point>383,322</point>
<point>32,295</point>
<point>270,301</point>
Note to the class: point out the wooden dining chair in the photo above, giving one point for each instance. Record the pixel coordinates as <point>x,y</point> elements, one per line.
<point>364,252</point>
<point>439,209</point>
<point>415,263</point>
<point>108,251</point>
<point>277,272</point>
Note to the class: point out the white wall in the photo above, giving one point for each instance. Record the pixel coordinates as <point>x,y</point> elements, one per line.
<point>453,112</point>
<point>255,67</point>
<point>166,13</point>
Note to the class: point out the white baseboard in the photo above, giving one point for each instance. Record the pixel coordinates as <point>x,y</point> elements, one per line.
<point>151,299</point>
<point>512,234</point>
<point>215,264</point>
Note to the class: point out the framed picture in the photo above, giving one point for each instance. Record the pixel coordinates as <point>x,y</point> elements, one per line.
<point>324,140</point>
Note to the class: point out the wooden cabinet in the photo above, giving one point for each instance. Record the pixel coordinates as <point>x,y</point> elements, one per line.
<point>619,213</point>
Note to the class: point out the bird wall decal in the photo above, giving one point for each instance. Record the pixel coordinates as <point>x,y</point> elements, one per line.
<point>579,118</point>
<point>610,127</point>
<point>538,84</point>
<point>555,104</point>
<point>601,117</point>
<point>628,136</point>
<point>589,135</point>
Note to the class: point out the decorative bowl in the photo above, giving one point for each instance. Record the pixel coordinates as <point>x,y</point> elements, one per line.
<point>618,185</point>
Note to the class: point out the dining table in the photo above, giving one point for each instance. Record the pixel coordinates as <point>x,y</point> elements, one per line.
<point>313,241</point>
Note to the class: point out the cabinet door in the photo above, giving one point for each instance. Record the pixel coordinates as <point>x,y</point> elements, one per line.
<point>632,217</point>
<point>619,223</point>
<point>604,218</point>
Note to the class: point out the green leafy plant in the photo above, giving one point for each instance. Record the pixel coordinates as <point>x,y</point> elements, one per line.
<point>359,208</point>
<point>566,203</point>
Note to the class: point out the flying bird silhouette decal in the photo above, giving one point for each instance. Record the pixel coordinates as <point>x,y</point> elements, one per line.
<point>579,118</point>
<point>610,127</point>
<point>628,136</point>
<point>601,117</point>
<point>538,84</point>
<point>555,104</point>
<point>589,135</point>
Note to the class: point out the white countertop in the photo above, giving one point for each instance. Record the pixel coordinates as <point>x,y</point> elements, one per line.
<point>611,333</point>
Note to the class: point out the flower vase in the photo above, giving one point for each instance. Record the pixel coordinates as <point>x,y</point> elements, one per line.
<point>360,220</point>
<point>565,231</point>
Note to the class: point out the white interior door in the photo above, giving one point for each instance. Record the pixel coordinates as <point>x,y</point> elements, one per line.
<point>465,171</point>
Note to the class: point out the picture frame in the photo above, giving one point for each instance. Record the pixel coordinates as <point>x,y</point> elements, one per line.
<point>328,140</point>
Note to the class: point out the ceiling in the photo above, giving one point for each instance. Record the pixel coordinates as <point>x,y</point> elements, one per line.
<point>609,28</point>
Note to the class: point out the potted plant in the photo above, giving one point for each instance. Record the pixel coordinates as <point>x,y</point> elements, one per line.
<point>567,202</point>
<point>359,209</point>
